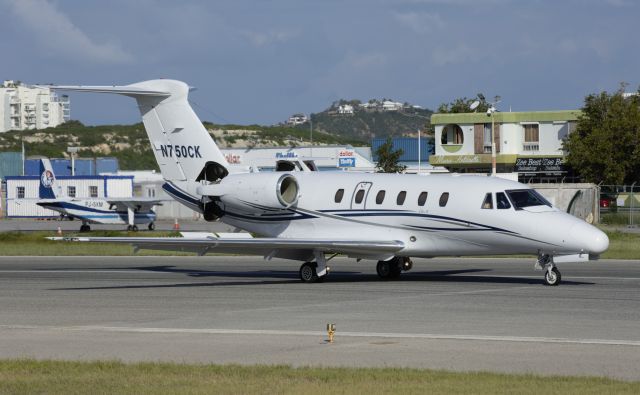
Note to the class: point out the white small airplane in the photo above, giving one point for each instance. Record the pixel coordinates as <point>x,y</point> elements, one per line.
<point>311,216</point>
<point>118,211</point>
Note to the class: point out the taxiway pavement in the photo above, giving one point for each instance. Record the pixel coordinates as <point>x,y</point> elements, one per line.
<point>459,314</point>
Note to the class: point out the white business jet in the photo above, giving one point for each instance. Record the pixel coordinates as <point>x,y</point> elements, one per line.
<point>119,211</point>
<point>311,216</point>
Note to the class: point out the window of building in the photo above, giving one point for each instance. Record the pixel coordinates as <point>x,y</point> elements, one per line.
<point>452,134</point>
<point>20,192</point>
<point>486,138</point>
<point>502,201</point>
<point>401,197</point>
<point>422,199</point>
<point>531,137</point>
<point>359,196</point>
<point>339,195</point>
<point>444,198</point>
<point>93,191</point>
<point>71,191</point>
<point>380,197</point>
<point>488,201</point>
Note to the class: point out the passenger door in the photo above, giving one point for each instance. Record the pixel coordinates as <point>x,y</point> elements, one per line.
<point>359,198</point>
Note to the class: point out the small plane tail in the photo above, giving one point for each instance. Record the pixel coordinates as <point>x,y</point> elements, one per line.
<point>183,148</point>
<point>49,188</point>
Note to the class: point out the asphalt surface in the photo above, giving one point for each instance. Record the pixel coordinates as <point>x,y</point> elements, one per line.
<point>458,314</point>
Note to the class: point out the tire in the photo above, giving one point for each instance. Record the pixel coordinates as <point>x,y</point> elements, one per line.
<point>129,228</point>
<point>85,228</point>
<point>308,272</point>
<point>134,228</point>
<point>151,226</point>
<point>552,277</point>
<point>390,269</point>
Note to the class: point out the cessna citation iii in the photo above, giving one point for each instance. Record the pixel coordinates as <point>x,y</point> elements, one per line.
<point>312,216</point>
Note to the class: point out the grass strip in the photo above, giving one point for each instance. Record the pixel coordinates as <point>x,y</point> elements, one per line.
<point>621,245</point>
<point>71,377</point>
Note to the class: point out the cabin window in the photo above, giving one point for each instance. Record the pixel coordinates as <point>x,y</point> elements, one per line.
<point>444,198</point>
<point>93,191</point>
<point>71,191</point>
<point>502,201</point>
<point>359,196</point>
<point>339,195</point>
<point>20,192</point>
<point>488,201</point>
<point>422,199</point>
<point>401,196</point>
<point>380,197</point>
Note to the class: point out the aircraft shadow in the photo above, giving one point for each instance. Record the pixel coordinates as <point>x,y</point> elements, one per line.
<point>278,277</point>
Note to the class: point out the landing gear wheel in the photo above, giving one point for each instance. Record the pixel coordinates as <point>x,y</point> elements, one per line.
<point>85,228</point>
<point>134,228</point>
<point>151,226</point>
<point>552,277</point>
<point>389,269</point>
<point>129,228</point>
<point>308,272</point>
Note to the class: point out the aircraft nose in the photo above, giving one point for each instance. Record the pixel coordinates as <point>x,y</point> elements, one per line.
<point>590,238</point>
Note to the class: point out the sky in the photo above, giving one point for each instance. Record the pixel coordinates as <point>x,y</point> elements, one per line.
<point>261,61</point>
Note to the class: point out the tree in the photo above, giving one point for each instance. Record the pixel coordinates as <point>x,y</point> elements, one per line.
<point>388,158</point>
<point>605,146</point>
<point>462,105</point>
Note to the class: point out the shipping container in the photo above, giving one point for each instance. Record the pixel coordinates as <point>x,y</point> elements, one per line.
<point>107,165</point>
<point>61,167</point>
<point>10,164</point>
<point>409,146</point>
<point>84,167</point>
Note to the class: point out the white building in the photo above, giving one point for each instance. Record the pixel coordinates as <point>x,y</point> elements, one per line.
<point>297,119</point>
<point>27,107</point>
<point>389,105</point>
<point>345,109</point>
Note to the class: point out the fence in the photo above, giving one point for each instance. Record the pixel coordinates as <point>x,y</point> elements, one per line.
<point>620,205</point>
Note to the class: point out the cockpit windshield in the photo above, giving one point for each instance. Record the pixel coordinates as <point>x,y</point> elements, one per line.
<point>522,198</point>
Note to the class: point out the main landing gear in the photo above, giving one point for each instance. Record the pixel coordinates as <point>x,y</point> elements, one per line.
<point>391,269</point>
<point>85,227</point>
<point>552,276</point>
<point>311,272</point>
<point>132,228</point>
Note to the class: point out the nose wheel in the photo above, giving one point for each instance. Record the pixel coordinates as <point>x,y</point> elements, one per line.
<point>552,276</point>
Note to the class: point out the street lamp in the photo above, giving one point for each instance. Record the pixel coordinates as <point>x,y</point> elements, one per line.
<point>490,113</point>
<point>73,151</point>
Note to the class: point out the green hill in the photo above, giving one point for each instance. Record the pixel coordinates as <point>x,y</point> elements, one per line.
<point>129,143</point>
<point>367,123</point>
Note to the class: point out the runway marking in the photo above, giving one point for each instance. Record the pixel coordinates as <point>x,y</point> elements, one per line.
<point>254,332</point>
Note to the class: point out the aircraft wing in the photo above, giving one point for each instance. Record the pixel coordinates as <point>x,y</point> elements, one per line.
<point>299,249</point>
<point>135,203</point>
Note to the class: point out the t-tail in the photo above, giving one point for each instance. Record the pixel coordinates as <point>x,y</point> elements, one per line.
<point>183,148</point>
<point>49,188</point>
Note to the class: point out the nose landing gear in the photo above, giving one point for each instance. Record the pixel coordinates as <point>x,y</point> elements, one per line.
<point>552,276</point>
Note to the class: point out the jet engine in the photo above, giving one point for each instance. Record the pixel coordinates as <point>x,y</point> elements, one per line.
<point>254,192</point>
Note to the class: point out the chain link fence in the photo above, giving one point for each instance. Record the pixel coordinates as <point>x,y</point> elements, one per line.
<point>620,205</point>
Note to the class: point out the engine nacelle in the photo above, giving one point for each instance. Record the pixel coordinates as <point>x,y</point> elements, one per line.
<point>255,191</point>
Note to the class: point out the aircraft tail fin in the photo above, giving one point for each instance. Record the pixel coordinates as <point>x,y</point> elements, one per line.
<point>49,188</point>
<point>183,148</point>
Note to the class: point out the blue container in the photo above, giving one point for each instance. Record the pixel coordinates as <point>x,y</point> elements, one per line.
<point>409,147</point>
<point>85,167</point>
<point>32,167</point>
<point>10,164</point>
<point>107,165</point>
<point>61,167</point>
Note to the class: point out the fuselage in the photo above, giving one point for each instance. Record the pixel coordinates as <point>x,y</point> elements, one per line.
<point>433,215</point>
<point>96,211</point>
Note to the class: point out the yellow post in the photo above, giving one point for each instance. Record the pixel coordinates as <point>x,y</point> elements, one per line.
<point>331,330</point>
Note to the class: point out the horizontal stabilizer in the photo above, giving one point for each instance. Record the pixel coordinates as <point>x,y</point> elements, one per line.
<point>129,90</point>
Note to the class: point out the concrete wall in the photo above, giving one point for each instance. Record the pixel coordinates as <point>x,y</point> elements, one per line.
<point>581,200</point>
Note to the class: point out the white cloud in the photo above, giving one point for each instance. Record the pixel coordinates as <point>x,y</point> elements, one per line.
<point>420,22</point>
<point>260,39</point>
<point>56,32</point>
